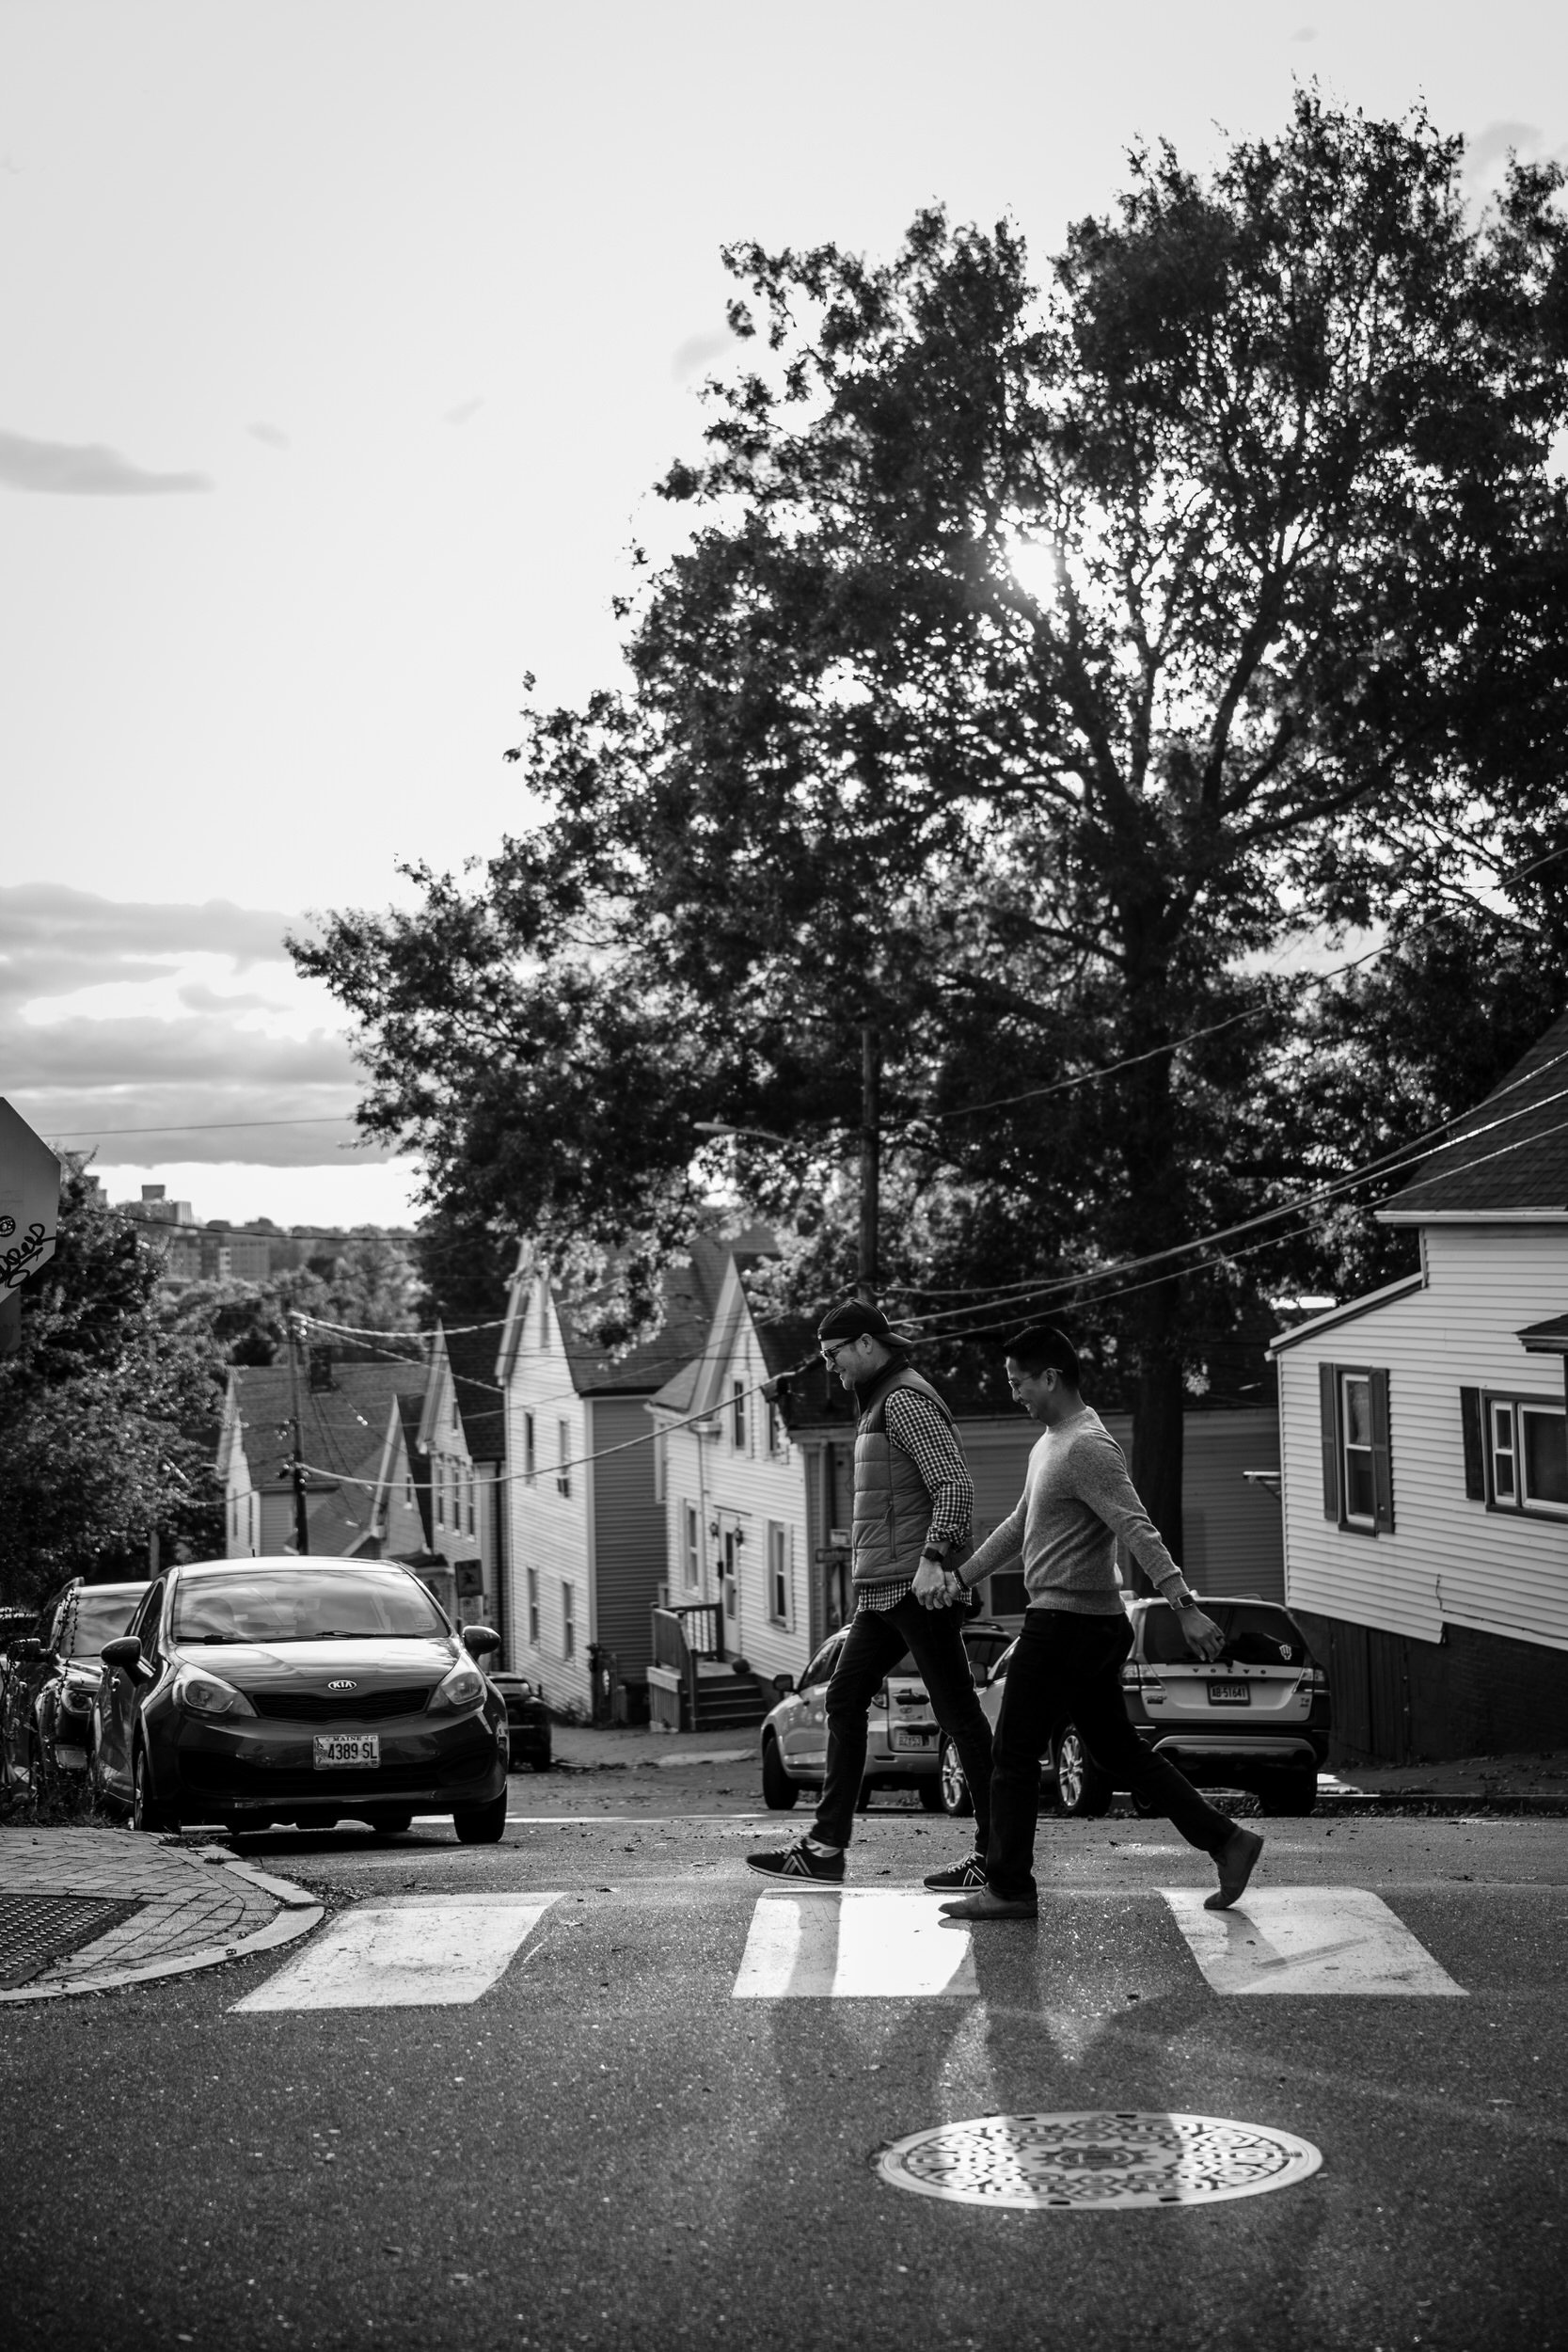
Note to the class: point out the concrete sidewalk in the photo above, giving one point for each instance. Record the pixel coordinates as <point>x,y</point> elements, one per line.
<point>598,1748</point>
<point>92,1910</point>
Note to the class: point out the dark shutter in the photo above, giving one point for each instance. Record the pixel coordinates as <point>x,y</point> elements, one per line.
<point>1475,1444</point>
<point>1383,1467</point>
<point>1328,1416</point>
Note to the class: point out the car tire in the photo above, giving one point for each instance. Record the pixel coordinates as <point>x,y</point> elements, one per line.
<point>481,1824</point>
<point>1082,1788</point>
<point>390,1820</point>
<point>952,1787</point>
<point>779,1792</point>
<point>146,1814</point>
<point>1288,1796</point>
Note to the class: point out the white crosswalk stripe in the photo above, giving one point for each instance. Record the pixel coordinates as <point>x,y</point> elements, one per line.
<point>867,1945</point>
<point>427,1952</point>
<point>1306,1939</point>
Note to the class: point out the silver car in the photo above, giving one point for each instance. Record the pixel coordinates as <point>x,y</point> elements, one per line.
<point>905,1746</point>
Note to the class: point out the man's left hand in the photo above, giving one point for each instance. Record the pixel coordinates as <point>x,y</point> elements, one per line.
<point>931,1584</point>
<point>1202,1636</point>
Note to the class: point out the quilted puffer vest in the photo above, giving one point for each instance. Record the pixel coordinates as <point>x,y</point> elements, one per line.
<point>892,1510</point>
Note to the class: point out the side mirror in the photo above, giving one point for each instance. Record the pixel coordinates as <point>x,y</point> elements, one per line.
<point>480,1640</point>
<point>785,1686</point>
<point>126,1652</point>
<point>28,1651</point>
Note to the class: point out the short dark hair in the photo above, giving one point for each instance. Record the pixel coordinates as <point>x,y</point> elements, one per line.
<point>1041,1347</point>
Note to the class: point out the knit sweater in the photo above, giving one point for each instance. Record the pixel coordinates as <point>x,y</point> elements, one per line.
<point>1077,1500</point>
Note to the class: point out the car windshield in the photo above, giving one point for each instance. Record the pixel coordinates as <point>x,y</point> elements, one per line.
<point>93,1618</point>
<point>1254,1635</point>
<point>304,1605</point>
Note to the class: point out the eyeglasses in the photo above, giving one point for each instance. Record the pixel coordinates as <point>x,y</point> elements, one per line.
<point>831,1355</point>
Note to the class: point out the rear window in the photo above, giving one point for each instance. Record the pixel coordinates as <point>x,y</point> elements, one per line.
<point>304,1605</point>
<point>1254,1635</point>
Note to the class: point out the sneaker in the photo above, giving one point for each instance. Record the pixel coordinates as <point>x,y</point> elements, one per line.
<point>799,1866</point>
<point>968,1874</point>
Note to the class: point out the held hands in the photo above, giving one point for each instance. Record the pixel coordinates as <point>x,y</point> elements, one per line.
<point>931,1588</point>
<point>1203,1635</point>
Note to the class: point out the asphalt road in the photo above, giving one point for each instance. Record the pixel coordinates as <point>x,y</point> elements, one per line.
<point>609,2149</point>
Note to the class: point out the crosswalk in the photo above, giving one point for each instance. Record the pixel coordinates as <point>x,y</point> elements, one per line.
<point>858,1945</point>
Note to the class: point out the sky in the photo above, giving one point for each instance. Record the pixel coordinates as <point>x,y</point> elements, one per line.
<point>344,341</point>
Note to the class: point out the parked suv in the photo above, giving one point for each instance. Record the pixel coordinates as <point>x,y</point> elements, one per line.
<point>52,1678</point>
<point>1257,1717</point>
<point>904,1745</point>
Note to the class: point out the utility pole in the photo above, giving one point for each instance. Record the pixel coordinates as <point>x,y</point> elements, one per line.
<point>296,1466</point>
<point>871,1156</point>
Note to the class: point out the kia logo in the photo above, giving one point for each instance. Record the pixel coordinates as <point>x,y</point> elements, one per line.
<point>342,1683</point>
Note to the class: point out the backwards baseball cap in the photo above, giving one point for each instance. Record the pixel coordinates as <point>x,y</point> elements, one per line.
<point>855,1320</point>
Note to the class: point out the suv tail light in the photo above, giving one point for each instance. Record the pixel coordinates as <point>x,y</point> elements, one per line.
<point>1132,1677</point>
<point>1314,1681</point>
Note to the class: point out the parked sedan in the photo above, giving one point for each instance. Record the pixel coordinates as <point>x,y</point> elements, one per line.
<point>1257,1717</point>
<point>251,1692</point>
<point>904,1741</point>
<point>52,1678</point>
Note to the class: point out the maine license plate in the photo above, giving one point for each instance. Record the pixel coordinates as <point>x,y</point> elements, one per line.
<point>905,1738</point>
<point>335,1749</point>
<point>1229,1695</point>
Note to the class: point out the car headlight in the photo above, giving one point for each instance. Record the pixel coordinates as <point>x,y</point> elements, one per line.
<point>209,1694</point>
<point>463,1687</point>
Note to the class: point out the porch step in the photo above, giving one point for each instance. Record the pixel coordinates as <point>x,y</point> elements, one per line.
<point>732,1704</point>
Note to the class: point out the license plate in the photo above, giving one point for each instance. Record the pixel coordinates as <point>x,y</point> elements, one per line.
<point>1229,1695</point>
<point>903,1738</point>
<point>335,1749</point>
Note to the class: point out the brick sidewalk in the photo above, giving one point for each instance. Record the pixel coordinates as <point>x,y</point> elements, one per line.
<point>194,1907</point>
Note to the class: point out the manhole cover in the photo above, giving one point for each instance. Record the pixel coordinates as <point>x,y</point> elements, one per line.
<point>1091,2162</point>
<point>37,1930</point>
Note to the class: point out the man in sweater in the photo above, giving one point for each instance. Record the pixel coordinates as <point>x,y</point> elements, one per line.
<point>1067,1668</point>
<point>914,1500</point>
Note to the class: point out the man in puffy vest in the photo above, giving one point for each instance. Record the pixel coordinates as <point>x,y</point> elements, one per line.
<point>914,1500</point>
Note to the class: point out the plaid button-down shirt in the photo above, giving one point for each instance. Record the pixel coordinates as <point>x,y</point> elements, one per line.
<point>924,1432</point>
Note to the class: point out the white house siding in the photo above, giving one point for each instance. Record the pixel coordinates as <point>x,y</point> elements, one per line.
<point>629,1532</point>
<point>747,1491</point>
<point>1448,1562</point>
<point>1233,1533</point>
<point>547,1532</point>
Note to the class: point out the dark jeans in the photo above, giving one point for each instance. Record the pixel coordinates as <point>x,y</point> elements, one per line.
<point>878,1639</point>
<point>1068,1670</point>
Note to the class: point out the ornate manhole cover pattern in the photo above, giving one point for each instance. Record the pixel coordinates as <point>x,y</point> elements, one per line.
<point>1094,2162</point>
<point>35,1930</point>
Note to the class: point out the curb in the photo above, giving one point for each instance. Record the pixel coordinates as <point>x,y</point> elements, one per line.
<point>298,1912</point>
<point>1523,1804</point>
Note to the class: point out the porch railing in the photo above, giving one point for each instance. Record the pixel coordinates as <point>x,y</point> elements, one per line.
<point>681,1637</point>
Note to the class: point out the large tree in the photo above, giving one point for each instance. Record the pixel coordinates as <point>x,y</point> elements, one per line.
<point>1034,662</point>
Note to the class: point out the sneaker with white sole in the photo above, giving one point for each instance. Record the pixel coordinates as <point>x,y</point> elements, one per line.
<point>797,1866</point>
<point>965,1876</point>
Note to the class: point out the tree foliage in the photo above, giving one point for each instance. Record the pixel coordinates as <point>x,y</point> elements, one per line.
<point>1036,663</point>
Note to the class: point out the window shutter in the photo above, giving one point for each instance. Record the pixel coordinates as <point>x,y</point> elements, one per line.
<point>1475,1444</point>
<point>1383,1467</point>
<point>1328,1416</point>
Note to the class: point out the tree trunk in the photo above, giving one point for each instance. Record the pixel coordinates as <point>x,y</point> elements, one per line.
<point>1157,1424</point>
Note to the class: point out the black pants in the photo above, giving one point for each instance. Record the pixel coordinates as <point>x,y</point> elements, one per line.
<point>1068,1670</point>
<point>877,1639</point>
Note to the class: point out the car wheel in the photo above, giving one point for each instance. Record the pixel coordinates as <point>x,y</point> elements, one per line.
<point>146,1814</point>
<point>1082,1788</point>
<point>390,1820</point>
<point>1288,1796</point>
<point>952,1786</point>
<point>480,1824</point>
<point>779,1792</point>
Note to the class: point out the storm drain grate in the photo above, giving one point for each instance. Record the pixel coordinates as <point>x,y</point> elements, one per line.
<point>37,1930</point>
<point>1092,2163</point>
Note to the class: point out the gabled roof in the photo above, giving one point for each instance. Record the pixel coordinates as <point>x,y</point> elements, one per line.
<point>343,1436</point>
<point>691,1286</point>
<point>1509,1157</point>
<point>476,1391</point>
<point>1545,1338</point>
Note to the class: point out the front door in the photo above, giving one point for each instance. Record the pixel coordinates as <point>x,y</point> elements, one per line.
<point>728,1583</point>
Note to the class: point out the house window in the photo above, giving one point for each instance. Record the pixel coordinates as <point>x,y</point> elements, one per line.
<point>737,1415</point>
<point>531,1445</point>
<point>775,1428</point>
<point>544,1315</point>
<point>1358,1460</point>
<point>1526,1455</point>
<point>469,1504</point>
<point>778,1573</point>
<point>438,1480</point>
<point>691,1545</point>
<point>568,1620</point>
<point>534,1608</point>
<point>564,1457</point>
<point>661,1464</point>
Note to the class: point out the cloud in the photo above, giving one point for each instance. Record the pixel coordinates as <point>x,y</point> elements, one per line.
<point>697,350</point>
<point>1305,32</point>
<point>1491,145</point>
<point>271,435</point>
<point>55,939</point>
<point>463,410</point>
<point>85,470</point>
